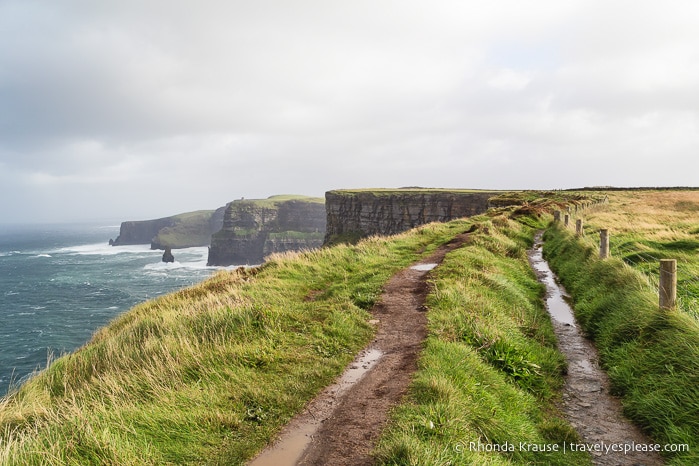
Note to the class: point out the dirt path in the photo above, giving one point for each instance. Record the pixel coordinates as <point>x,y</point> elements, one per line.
<point>587,403</point>
<point>341,426</point>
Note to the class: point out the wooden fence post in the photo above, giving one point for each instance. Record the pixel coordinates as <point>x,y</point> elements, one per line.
<point>668,284</point>
<point>566,220</point>
<point>579,227</point>
<point>557,216</point>
<point>603,243</point>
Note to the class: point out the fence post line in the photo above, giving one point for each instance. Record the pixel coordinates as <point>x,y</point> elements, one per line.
<point>566,219</point>
<point>603,243</point>
<point>579,227</point>
<point>668,284</point>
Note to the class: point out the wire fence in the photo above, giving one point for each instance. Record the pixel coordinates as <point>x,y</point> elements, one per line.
<point>647,261</point>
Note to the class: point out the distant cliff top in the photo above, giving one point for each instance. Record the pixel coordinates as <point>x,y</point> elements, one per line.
<point>272,201</point>
<point>412,190</point>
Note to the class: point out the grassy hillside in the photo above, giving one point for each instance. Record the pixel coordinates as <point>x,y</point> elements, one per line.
<point>647,226</point>
<point>652,357</point>
<point>490,373</point>
<point>189,229</point>
<point>208,374</point>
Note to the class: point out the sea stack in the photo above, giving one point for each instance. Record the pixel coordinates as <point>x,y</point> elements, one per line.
<point>167,255</point>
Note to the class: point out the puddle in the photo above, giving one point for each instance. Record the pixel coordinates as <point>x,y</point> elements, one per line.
<point>356,370</point>
<point>555,294</point>
<point>294,439</point>
<point>423,267</point>
<point>587,404</point>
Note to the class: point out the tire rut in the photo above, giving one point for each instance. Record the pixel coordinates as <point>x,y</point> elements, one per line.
<point>342,425</point>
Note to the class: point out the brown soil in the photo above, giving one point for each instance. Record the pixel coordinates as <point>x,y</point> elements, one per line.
<point>345,420</point>
<point>349,436</point>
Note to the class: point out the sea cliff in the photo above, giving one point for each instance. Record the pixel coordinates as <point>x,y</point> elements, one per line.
<point>254,229</point>
<point>354,214</point>
<point>185,230</point>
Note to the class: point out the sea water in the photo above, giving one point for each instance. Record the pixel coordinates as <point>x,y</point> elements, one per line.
<point>60,283</point>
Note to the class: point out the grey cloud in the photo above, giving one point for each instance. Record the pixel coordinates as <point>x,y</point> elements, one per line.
<point>204,102</point>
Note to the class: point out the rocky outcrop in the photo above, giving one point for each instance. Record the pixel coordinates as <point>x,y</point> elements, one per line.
<point>167,255</point>
<point>356,214</point>
<point>186,230</point>
<point>253,229</point>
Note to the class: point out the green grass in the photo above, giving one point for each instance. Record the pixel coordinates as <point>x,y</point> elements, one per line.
<point>209,374</point>
<point>652,357</point>
<point>190,229</point>
<point>415,190</point>
<point>296,235</point>
<point>490,373</point>
<point>650,225</point>
<point>272,201</point>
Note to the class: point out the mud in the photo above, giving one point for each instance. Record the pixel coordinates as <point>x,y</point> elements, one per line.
<point>298,434</point>
<point>591,409</point>
<point>341,426</point>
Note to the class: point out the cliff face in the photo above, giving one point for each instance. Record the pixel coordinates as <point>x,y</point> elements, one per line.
<point>141,232</point>
<point>253,229</point>
<point>178,231</point>
<point>355,214</point>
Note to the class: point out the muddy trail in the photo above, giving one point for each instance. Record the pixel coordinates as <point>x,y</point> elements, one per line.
<point>594,413</point>
<point>342,425</point>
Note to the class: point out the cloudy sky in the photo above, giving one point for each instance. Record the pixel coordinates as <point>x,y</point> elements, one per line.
<point>138,109</point>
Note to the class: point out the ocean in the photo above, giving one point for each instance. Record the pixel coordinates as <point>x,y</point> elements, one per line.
<point>60,283</point>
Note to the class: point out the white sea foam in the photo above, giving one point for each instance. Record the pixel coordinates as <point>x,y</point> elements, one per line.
<point>9,253</point>
<point>165,266</point>
<point>43,255</point>
<point>191,258</point>
<point>104,249</point>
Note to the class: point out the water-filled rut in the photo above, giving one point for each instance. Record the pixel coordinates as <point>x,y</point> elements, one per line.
<point>341,425</point>
<point>588,405</point>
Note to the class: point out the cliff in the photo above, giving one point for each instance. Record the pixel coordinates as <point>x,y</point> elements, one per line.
<point>141,231</point>
<point>178,231</point>
<point>190,230</point>
<point>254,229</point>
<point>354,214</point>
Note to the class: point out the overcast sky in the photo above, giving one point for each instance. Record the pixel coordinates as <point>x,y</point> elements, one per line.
<point>139,109</point>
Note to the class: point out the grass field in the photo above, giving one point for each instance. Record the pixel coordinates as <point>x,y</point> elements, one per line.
<point>652,357</point>
<point>647,226</point>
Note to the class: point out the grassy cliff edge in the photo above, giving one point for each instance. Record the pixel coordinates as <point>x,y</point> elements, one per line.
<point>209,374</point>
